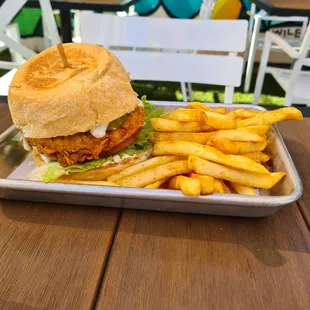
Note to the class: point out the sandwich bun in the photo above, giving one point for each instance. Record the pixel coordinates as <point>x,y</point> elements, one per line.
<point>47,100</point>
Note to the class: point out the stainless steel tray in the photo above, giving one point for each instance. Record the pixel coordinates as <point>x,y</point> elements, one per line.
<point>284,193</point>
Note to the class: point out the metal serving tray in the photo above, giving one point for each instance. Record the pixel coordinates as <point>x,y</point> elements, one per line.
<point>14,185</point>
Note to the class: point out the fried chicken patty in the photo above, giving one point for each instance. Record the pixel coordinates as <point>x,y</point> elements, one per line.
<point>81,147</point>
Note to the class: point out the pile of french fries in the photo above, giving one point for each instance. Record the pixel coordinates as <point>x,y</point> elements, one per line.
<point>201,151</point>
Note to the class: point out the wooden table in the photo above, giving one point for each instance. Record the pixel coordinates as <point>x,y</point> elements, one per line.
<point>77,257</point>
<point>64,6</point>
<point>284,7</point>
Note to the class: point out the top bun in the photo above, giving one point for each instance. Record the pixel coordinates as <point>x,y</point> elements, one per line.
<point>47,100</point>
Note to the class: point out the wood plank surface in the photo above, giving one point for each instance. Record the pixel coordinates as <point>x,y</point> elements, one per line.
<point>289,4</point>
<point>52,256</point>
<point>5,117</point>
<point>296,135</point>
<point>179,261</point>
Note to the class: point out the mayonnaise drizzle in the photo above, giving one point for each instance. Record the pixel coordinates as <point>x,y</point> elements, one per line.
<point>99,130</point>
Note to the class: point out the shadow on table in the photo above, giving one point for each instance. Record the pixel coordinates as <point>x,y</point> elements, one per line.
<point>83,217</point>
<point>265,238</point>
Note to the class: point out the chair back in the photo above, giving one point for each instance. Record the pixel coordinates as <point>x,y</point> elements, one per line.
<point>172,49</point>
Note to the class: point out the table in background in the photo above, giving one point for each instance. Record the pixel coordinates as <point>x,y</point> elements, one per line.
<point>284,7</point>
<point>77,257</point>
<point>64,6</point>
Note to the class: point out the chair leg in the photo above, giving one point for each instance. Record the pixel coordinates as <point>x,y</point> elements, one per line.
<point>183,89</point>
<point>12,32</point>
<point>229,94</point>
<point>190,91</point>
<point>262,70</point>
<point>251,59</point>
<point>249,36</point>
<point>47,15</point>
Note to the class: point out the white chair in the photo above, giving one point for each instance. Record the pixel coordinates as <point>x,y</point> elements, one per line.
<point>296,83</point>
<point>166,35</point>
<point>254,42</point>
<point>9,35</point>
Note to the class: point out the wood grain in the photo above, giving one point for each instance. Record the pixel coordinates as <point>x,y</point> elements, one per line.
<point>5,117</point>
<point>289,4</point>
<point>178,261</point>
<point>52,256</point>
<point>296,135</point>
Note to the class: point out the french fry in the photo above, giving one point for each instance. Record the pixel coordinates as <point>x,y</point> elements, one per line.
<point>201,106</point>
<point>202,166</point>
<point>238,135</point>
<point>260,130</point>
<point>101,183</point>
<point>219,121</point>
<point>144,178</point>
<point>157,183</point>
<point>218,187</point>
<point>188,186</point>
<point>272,117</point>
<point>258,156</point>
<point>162,124</point>
<point>206,182</point>
<point>239,148</point>
<point>183,148</point>
<point>219,110</point>
<point>206,137</point>
<point>243,189</point>
<point>187,115</point>
<point>150,163</point>
<point>243,113</point>
<point>225,187</point>
<point>198,105</point>
<point>198,137</point>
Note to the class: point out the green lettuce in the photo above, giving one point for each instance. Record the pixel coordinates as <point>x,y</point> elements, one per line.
<point>53,170</point>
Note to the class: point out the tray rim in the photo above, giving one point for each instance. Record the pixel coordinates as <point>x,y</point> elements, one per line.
<point>158,194</point>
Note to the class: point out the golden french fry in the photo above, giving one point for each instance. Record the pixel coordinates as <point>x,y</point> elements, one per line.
<point>201,106</point>
<point>243,113</point>
<point>199,137</point>
<point>238,135</point>
<point>219,110</point>
<point>272,117</point>
<point>150,163</point>
<point>184,148</point>
<point>225,187</point>
<point>101,183</point>
<point>239,148</point>
<point>260,130</point>
<point>198,105</point>
<point>162,124</point>
<point>149,176</point>
<point>187,115</point>
<point>206,182</point>
<point>258,156</point>
<point>220,121</point>
<point>243,189</point>
<point>187,185</point>
<point>218,187</point>
<point>202,166</point>
<point>157,183</point>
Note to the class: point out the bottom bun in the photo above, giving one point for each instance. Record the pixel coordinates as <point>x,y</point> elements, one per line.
<point>101,174</point>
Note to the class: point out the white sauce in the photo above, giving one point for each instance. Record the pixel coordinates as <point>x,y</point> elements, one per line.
<point>140,103</point>
<point>26,145</point>
<point>45,158</point>
<point>99,130</point>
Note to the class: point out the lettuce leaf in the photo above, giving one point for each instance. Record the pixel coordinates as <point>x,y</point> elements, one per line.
<point>53,170</point>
